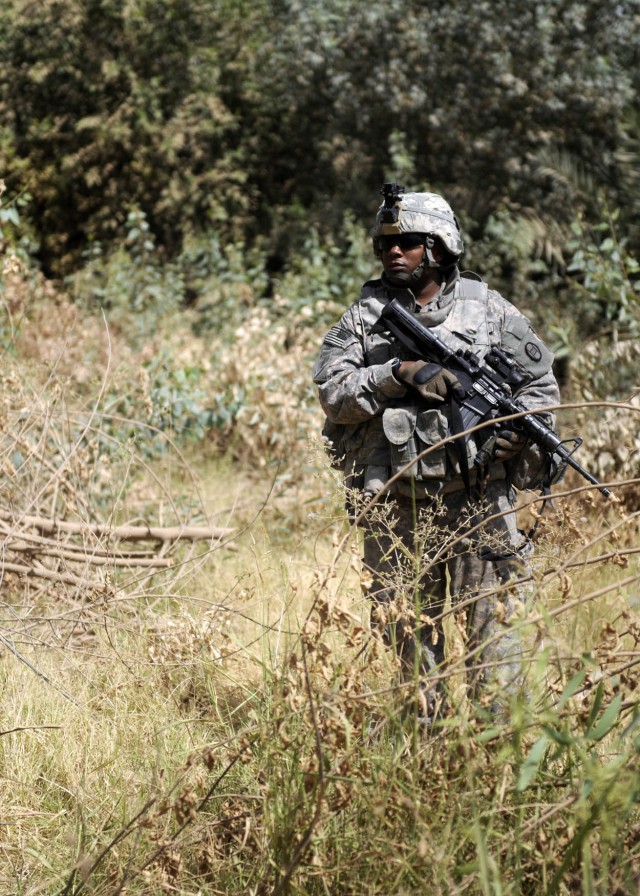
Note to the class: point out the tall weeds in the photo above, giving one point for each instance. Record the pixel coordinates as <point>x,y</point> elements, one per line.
<point>229,722</point>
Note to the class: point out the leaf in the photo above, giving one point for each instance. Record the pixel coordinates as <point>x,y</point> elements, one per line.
<point>560,737</point>
<point>571,687</point>
<point>488,734</point>
<point>597,703</point>
<point>633,724</point>
<point>10,215</point>
<point>607,720</point>
<point>532,763</point>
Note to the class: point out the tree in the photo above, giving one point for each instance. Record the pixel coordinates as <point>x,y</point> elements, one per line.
<point>111,105</point>
<point>261,120</point>
<point>493,102</point>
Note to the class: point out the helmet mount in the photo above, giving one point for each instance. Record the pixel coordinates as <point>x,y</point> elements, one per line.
<point>389,210</point>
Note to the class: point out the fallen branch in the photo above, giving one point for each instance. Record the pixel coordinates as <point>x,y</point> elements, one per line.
<point>87,557</point>
<point>54,542</point>
<point>35,543</point>
<point>41,572</point>
<point>124,533</point>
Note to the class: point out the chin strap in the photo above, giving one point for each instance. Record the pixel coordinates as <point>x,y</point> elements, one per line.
<point>428,254</point>
<point>407,280</point>
<point>428,261</point>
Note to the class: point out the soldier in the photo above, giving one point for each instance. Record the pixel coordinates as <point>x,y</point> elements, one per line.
<point>440,526</point>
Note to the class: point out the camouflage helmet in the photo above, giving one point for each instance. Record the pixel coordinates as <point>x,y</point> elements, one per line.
<point>426,213</point>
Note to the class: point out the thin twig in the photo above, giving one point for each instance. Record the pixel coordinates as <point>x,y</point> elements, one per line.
<point>37,671</point>
<point>31,728</point>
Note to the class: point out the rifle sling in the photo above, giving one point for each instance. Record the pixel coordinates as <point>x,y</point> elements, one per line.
<point>460,445</point>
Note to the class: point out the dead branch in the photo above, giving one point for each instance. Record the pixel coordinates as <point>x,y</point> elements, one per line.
<point>22,550</point>
<point>41,572</point>
<point>124,533</point>
<point>35,542</point>
<point>91,558</point>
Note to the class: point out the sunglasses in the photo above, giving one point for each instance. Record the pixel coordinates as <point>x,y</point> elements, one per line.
<point>403,241</point>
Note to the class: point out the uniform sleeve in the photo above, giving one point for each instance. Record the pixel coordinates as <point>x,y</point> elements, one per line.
<point>522,343</point>
<point>519,340</point>
<point>349,390</point>
<point>540,393</point>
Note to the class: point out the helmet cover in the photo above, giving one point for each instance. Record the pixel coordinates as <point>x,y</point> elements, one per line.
<point>419,213</point>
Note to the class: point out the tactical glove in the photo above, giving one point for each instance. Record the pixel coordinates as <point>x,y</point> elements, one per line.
<point>508,443</point>
<point>432,382</point>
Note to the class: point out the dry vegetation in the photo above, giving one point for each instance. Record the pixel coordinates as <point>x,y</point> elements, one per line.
<point>206,710</point>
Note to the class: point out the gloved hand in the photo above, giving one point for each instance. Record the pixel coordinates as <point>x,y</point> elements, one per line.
<point>508,443</point>
<point>431,381</point>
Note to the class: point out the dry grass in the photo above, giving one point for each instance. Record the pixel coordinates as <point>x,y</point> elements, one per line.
<point>230,724</point>
<point>239,731</point>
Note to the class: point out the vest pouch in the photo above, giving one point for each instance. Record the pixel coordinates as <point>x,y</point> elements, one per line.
<point>399,425</point>
<point>409,432</point>
<point>432,427</point>
<point>341,440</point>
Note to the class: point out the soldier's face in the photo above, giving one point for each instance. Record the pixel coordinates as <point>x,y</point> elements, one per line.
<point>401,253</point>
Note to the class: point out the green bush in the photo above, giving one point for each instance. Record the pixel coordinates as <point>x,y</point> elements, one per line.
<point>604,290</point>
<point>262,120</point>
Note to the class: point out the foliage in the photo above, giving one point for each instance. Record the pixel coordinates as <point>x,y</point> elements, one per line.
<point>605,276</point>
<point>9,216</point>
<point>254,739</point>
<point>142,88</point>
<point>256,122</point>
<point>232,723</point>
<point>324,276</point>
<point>131,282</point>
<point>594,331</point>
<point>199,383</point>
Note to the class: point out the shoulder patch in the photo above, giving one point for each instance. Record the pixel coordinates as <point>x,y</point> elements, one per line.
<point>533,351</point>
<point>337,337</point>
<point>521,342</point>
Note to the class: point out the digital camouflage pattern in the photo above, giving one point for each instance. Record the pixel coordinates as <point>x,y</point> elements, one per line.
<point>419,553</point>
<point>422,213</point>
<point>363,400</point>
<point>379,428</point>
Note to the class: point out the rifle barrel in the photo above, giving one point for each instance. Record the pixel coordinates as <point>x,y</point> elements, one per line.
<point>568,458</point>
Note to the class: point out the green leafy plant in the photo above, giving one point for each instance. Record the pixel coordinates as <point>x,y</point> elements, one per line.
<point>604,285</point>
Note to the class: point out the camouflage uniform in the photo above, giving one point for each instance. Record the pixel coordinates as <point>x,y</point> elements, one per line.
<point>418,539</point>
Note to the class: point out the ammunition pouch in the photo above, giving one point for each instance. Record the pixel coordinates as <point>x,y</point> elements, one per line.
<point>411,431</point>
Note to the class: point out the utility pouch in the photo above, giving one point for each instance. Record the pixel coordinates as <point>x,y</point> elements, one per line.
<point>410,431</point>
<point>340,440</point>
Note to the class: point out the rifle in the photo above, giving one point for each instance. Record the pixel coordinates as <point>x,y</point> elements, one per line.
<point>488,389</point>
